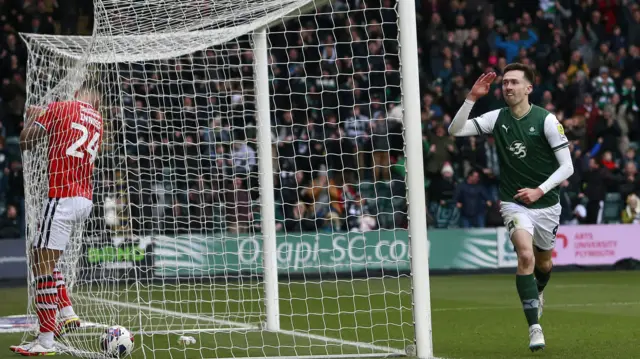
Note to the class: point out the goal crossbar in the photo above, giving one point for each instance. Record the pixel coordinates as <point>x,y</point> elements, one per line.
<point>106,49</point>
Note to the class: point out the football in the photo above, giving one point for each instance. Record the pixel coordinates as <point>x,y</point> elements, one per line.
<point>117,342</point>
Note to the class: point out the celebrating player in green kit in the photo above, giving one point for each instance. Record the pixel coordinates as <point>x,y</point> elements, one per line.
<point>534,159</point>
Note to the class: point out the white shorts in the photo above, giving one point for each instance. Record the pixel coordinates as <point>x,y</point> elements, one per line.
<point>59,217</point>
<point>541,223</point>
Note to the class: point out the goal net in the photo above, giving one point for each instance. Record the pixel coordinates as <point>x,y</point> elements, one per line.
<point>251,189</point>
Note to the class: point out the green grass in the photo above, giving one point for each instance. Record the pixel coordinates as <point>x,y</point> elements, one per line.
<point>587,315</point>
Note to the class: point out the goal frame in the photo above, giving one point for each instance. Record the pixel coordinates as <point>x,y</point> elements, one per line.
<point>418,240</point>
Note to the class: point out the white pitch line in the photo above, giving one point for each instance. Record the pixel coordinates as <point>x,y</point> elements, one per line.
<point>171,331</point>
<point>334,356</point>
<point>574,305</point>
<point>79,353</point>
<point>247,326</point>
<point>174,314</point>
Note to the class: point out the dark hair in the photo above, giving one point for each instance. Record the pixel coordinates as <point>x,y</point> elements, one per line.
<point>529,73</point>
<point>472,172</point>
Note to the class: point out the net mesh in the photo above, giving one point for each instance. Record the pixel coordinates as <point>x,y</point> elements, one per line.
<point>174,247</point>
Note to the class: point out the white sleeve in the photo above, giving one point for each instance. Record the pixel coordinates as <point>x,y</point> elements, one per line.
<point>554,133</point>
<point>461,126</point>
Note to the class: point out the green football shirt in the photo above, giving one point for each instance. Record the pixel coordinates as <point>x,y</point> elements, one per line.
<point>526,150</point>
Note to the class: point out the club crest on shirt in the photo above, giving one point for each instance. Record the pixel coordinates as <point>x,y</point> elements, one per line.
<point>518,149</point>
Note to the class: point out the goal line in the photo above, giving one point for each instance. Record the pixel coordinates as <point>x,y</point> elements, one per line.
<point>235,326</point>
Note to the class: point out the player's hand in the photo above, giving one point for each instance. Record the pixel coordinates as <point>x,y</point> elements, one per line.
<point>528,195</point>
<point>482,86</point>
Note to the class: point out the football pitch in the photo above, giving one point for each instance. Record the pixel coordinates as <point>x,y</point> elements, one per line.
<point>587,315</point>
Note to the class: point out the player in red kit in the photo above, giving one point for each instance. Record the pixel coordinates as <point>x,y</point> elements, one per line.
<point>74,133</point>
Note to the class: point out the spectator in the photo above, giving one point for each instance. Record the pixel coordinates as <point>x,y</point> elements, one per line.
<point>322,199</point>
<point>10,224</point>
<point>629,97</point>
<point>566,215</point>
<point>360,215</point>
<point>596,180</point>
<point>512,46</point>
<point>631,213</point>
<point>4,158</point>
<point>243,157</point>
<point>472,199</point>
<point>630,182</point>
<point>300,221</point>
<point>604,87</point>
<point>381,147</point>
<point>336,110</point>
<point>630,157</point>
<point>632,18</point>
<point>357,128</point>
<point>576,65</point>
<point>443,188</point>
<point>15,183</point>
<point>608,129</point>
<point>442,149</point>
<point>237,206</point>
<point>584,41</point>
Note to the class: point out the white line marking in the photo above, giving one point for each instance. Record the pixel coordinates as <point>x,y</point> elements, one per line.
<point>346,356</point>
<point>248,326</point>
<point>65,349</point>
<point>502,288</point>
<point>169,331</point>
<point>590,285</point>
<point>33,325</point>
<point>573,305</point>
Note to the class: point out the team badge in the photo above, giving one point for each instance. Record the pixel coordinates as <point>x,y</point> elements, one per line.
<point>518,149</point>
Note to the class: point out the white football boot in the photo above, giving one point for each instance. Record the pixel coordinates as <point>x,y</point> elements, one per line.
<point>35,348</point>
<point>536,338</point>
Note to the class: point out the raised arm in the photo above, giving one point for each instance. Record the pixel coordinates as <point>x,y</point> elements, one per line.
<point>533,38</point>
<point>484,124</point>
<point>554,132</point>
<point>461,126</point>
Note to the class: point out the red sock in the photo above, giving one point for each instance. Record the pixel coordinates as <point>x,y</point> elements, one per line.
<point>63,297</point>
<point>46,303</point>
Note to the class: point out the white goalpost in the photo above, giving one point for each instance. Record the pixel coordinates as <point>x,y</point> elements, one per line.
<point>260,186</point>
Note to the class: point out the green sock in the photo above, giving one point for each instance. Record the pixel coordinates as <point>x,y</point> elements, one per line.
<point>528,292</point>
<point>542,278</point>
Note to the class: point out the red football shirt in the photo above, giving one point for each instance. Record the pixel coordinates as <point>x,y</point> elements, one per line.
<point>75,135</point>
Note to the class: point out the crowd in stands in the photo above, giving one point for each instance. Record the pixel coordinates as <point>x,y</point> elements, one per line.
<point>190,159</point>
<point>586,54</point>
